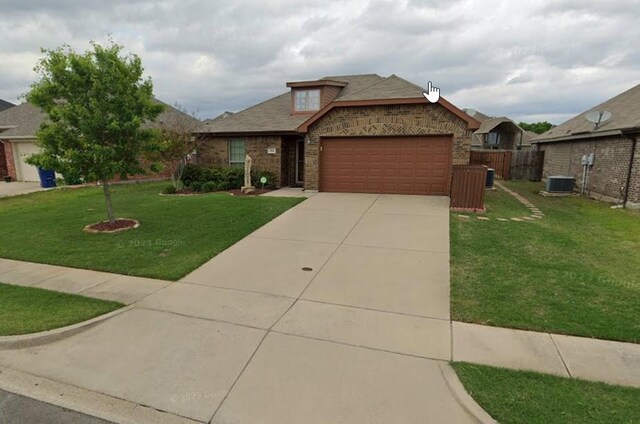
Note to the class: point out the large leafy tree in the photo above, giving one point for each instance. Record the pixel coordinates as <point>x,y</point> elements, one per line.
<point>97,103</point>
<point>536,127</point>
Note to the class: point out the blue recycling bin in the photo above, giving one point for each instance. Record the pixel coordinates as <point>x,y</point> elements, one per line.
<point>47,178</point>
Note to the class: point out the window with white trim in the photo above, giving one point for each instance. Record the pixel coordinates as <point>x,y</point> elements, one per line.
<point>306,100</point>
<point>236,152</point>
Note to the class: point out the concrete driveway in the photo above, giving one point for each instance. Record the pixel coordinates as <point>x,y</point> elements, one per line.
<point>336,311</point>
<point>16,188</point>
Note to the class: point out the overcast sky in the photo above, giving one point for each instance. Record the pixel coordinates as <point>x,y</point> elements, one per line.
<point>530,61</point>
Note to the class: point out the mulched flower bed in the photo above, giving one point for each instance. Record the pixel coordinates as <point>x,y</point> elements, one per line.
<point>256,192</point>
<point>121,224</point>
<point>235,192</point>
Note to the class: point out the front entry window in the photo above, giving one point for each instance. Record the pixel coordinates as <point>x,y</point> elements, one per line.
<point>236,152</point>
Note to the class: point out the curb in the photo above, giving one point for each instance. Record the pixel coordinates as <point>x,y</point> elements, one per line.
<point>85,401</point>
<point>464,398</point>
<point>49,336</point>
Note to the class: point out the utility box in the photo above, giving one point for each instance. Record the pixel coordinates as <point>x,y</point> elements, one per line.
<point>588,159</point>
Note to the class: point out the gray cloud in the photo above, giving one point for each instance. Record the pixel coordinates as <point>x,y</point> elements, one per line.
<point>543,60</point>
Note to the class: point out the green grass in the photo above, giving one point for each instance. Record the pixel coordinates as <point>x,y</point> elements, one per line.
<point>177,233</point>
<point>501,204</point>
<point>26,310</point>
<point>573,272</point>
<point>525,397</point>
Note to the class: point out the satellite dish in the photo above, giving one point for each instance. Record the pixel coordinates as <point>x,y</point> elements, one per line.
<point>471,112</point>
<point>598,117</point>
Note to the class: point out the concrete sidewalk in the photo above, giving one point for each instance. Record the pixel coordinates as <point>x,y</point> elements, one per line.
<point>566,356</point>
<point>102,285</point>
<point>18,188</point>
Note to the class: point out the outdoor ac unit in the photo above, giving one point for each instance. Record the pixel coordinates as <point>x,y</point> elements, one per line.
<point>560,184</point>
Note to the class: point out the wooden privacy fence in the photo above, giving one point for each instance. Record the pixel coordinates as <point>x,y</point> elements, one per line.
<point>467,187</point>
<point>500,160</point>
<point>527,165</point>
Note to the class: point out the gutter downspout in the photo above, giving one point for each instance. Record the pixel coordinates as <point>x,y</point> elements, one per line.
<point>634,141</point>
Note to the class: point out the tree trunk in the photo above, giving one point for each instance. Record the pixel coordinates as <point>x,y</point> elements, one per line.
<point>107,198</point>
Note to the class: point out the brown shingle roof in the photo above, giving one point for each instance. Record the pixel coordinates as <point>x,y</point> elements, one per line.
<point>392,87</point>
<point>25,120</point>
<point>274,115</point>
<point>355,83</point>
<point>625,110</point>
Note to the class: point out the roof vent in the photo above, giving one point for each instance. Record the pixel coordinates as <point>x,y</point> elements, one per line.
<point>598,117</point>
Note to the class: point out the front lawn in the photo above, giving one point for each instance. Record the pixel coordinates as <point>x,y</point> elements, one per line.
<point>30,310</point>
<point>573,272</point>
<point>523,397</point>
<point>177,233</point>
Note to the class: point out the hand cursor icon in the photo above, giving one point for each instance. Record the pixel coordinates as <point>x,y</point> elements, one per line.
<point>432,94</point>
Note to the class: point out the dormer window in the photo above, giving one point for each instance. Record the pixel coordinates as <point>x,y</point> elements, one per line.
<point>306,100</point>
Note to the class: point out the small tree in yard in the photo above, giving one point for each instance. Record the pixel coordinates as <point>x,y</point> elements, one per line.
<point>175,143</point>
<point>96,103</point>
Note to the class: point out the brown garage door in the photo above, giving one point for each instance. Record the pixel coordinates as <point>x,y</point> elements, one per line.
<point>399,165</point>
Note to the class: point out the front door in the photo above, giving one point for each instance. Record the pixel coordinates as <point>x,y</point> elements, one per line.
<point>300,161</point>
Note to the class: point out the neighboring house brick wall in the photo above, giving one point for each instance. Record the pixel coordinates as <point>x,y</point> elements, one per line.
<point>214,151</point>
<point>607,176</point>
<point>3,162</point>
<point>11,166</point>
<point>420,119</point>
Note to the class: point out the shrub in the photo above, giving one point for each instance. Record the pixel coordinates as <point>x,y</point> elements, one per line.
<point>71,178</point>
<point>209,187</point>
<point>257,174</point>
<point>193,173</point>
<point>224,178</point>
<point>169,190</point>
<point>195,186</point>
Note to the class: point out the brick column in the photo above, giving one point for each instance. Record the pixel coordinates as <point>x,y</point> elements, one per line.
<point>11,166</point>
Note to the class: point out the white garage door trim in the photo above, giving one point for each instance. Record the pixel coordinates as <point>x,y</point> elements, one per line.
<point>22,150</point>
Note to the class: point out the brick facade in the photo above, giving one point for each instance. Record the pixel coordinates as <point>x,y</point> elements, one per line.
<point>415,119</point>
<point>401,120</point>
<point>3,161</point>
<point>214,151</point>
<point>11,166</point>
<point>607,176</point>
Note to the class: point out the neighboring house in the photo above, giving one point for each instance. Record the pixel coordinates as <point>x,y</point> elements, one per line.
<point>498,133</point>
<point>221,116</point>
<point>353,133</point>
<point>5,105</point>
<point>18,127</point>
<point>615,173</point>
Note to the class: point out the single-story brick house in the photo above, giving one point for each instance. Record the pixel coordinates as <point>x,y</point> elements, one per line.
<point>18,141</point>
<point>353,133</point>
<point>615,173</point>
